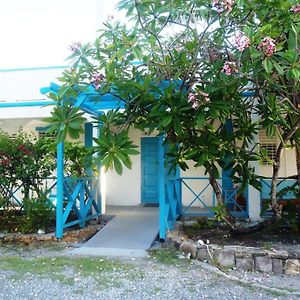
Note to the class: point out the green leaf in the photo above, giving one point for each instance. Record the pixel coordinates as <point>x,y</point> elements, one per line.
<point>118,166</point>
<point>166,120</point>
<point>268,66</point>
<point>201,119</point>
<point>278,68</point>
<point>296,73</point>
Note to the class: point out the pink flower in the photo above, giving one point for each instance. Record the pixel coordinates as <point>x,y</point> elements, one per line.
<point>205,96</point>
<point>195,105</point>
<point>223,5</point>
<point>196,98</point>
<point>268,46</point>
<point>229,68</point>
<point>296,9</point>
<point>242,41</point>
<point>75,46</point>
<point>96,80</point>
<point>110,17</point>
<point>191,97</point>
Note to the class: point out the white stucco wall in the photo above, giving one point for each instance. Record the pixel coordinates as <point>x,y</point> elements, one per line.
<point>288,165</point>
<point>126,189</point>
<point>26,84</point>
<point>197,185</point>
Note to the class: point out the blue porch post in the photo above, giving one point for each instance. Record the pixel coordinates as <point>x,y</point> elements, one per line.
<point>161,190</point>
<point>60,191</point>
<point>88,140</point>
<point>88,143</point>
<point>226,181</point>
<point>99,181</point>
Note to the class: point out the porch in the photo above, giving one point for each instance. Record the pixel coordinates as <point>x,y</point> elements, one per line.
<point>176,194</point>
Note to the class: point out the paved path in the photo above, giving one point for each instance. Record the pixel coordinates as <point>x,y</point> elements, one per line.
<point>130,233</point>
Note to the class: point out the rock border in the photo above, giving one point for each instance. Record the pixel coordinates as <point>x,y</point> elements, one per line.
<point>237,257</point>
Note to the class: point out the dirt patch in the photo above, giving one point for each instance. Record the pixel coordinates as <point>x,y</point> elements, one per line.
<point>273,238</point>
<point>71,235</point>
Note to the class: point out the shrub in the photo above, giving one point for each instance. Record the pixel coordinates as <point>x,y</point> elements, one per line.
<point>38,214</point>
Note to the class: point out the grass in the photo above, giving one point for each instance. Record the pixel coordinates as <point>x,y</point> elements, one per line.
<point>55,268</point>
<point>165,256</point>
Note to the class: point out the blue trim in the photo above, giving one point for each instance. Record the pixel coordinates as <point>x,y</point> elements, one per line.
<point>248,94</point>
<point>161,190</point>
<point>42,128</point>
<point>26,104</point>
<point>60,191</point>
<point>88,142</point>
<point>34,69</point>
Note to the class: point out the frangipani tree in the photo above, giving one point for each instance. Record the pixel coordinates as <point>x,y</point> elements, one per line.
<point>196,59</point>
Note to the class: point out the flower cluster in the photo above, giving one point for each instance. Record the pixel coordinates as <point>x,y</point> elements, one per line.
<point>96,80</point>
<point>23,149</point>
<point>5,159</point>
<point>229,68</point>
<point>223,5</point>
<point>296,9</point>
<point>268,46</point>
<point>242,41</point>
<point>75,46</point>
<point>110,18</point>
<point>196,98</point>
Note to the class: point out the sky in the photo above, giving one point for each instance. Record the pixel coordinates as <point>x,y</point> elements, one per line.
<point>37,33</point>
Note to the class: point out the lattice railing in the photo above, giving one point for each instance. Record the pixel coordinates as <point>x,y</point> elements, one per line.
<point>204,199</point>
<point>15,194</point>
<point>284,193</point>
<point>80,197</point>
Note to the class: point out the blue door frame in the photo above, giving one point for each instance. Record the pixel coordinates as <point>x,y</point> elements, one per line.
<point>150,170</point>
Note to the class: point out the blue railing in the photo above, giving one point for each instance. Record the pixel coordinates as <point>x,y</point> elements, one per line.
<point>284,195</point>
<point>283,183</point>
<point>81,197</point>
<point>203,199</point>
<point>15,194</point>
<point>174,190</point>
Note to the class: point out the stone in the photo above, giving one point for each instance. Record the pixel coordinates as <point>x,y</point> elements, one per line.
<point>202,254</point>
<point>225,258</point>
<point>277,266</point>
<point>243,254</point>
<point>263,264</point>
<point>244,263</point>
<point>279,254</point>
<point>177,237</point>
<point>188,247</point>
<point>292,267</point>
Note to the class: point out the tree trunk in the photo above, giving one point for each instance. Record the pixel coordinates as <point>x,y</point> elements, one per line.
<point>297,149</point>
<point>226,217</point>
<point>276,208</point>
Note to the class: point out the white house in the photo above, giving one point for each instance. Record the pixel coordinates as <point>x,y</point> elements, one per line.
<point>22,106</point>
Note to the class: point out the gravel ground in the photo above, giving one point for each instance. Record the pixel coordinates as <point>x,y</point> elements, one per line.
<point>50,273</point>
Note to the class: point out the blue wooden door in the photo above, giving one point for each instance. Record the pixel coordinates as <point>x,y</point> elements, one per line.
<point>149,170</point>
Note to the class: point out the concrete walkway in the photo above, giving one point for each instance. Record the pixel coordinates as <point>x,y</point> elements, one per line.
<point>130,233</point>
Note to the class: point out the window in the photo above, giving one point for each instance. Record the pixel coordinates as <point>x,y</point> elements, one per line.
<point>268,145</point>
<point>42,133</point>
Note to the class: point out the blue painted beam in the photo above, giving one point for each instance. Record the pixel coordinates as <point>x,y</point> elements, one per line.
<point>26,104</point>
<point>60,191</point>
<point>88,142</point>
<point>34,69</point>
<point>161,190</point>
